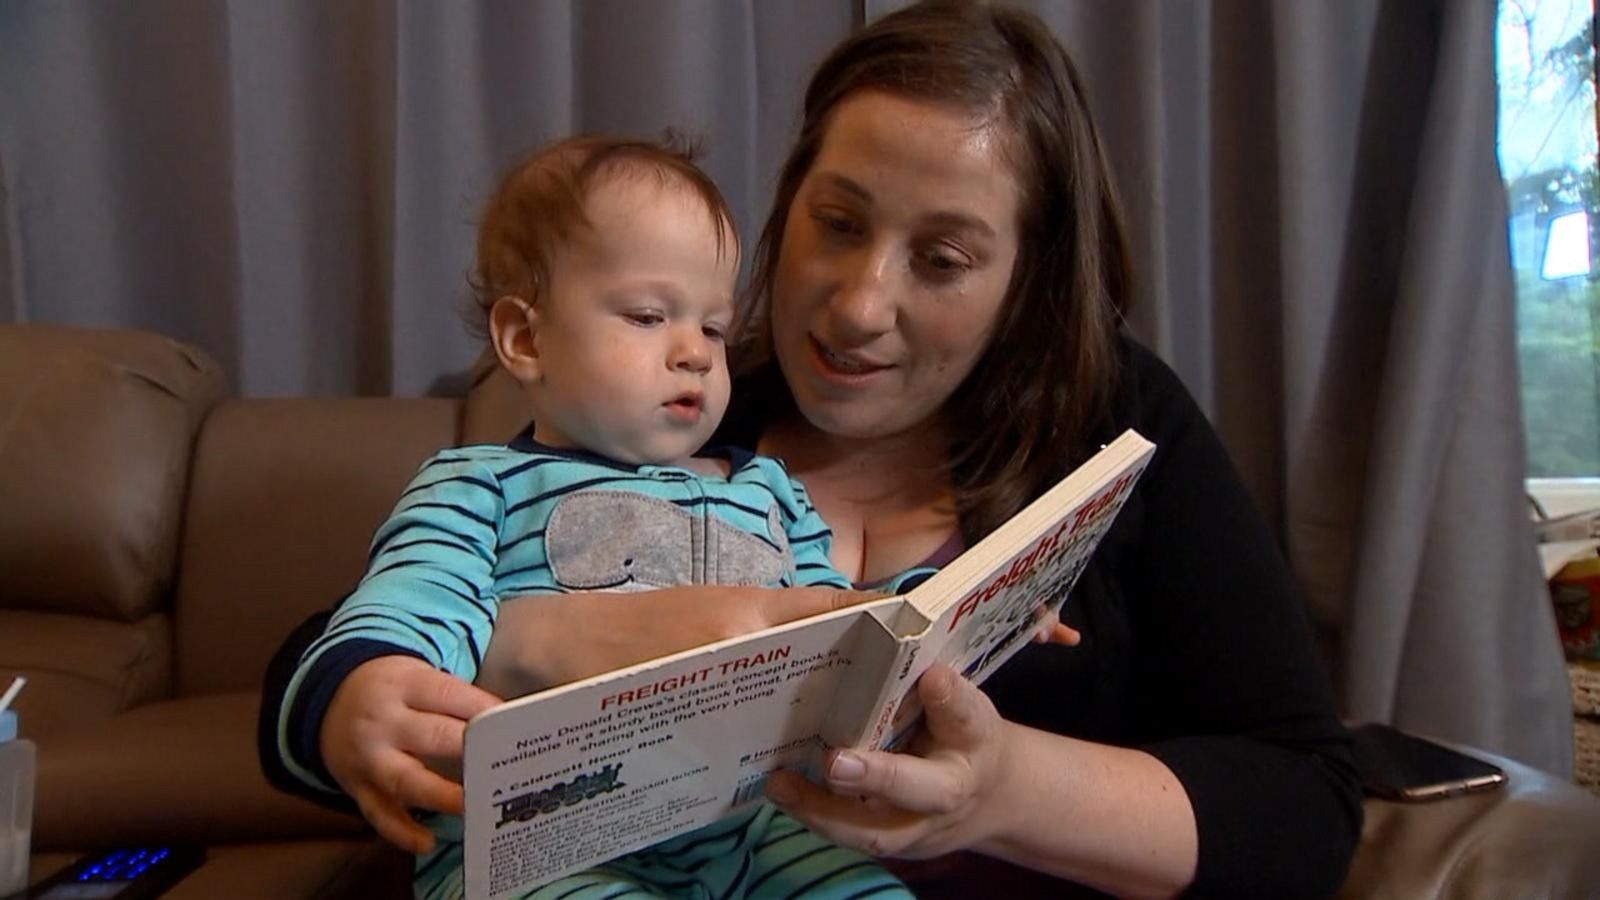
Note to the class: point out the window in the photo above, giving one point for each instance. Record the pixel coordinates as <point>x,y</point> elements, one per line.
<point>1547,147</point>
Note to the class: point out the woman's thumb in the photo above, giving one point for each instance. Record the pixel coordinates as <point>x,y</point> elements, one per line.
<point>953,706</point>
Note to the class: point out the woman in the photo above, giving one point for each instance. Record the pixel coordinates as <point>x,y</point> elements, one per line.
<point>932,342</point>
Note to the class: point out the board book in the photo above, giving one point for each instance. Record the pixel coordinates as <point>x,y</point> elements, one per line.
<point>568,778</point>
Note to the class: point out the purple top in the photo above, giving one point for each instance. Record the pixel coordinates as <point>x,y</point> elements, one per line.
<point>946,552</point>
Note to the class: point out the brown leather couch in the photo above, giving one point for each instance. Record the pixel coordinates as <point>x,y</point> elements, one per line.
<point>159,538</point>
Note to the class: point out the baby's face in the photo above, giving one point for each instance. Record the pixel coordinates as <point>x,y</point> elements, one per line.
<point>630,332</point>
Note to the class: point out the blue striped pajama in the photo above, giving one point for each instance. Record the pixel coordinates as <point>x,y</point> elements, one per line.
<point>472,528</point>
<point>760,854</point>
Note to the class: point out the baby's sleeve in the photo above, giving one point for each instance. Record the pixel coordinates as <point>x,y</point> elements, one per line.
<point>427,594</point>
<point>908,579</point>
<point>810,538</point>
<point>429,586</point>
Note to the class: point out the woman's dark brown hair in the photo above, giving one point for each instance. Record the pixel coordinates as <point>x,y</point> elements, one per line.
<point>1028,412</point>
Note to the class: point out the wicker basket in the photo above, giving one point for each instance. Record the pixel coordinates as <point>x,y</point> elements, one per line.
<point>1585,678</point>
<point>1586,753</point>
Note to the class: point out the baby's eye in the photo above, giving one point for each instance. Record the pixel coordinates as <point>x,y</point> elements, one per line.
<point>644,318</point>
<point>714,332</point>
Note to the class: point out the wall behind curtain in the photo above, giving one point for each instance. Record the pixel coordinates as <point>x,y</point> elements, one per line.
<point>1311,189</point>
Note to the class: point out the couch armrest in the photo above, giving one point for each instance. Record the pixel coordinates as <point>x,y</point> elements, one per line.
<point>177,770</point>
<point>1537,836</point>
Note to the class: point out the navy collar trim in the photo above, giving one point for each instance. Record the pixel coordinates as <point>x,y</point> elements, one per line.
<point>737,457</point>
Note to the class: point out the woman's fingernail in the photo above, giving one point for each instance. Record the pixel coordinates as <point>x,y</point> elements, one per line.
<point>846,767</point>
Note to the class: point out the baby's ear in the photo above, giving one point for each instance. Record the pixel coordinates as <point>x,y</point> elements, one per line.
<point>513,327</point>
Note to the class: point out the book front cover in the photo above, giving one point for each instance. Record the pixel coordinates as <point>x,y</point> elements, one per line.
<point>562,780</point>
<point>1022,576</point>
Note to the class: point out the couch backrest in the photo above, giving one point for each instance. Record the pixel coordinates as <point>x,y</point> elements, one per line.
<point>283,501</point>
<point>496,409</point>
<point>96,430</point>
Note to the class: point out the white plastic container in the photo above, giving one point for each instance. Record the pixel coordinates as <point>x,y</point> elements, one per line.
<point>17,763</point>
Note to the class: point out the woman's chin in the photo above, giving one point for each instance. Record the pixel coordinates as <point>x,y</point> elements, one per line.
<point>858,419</point>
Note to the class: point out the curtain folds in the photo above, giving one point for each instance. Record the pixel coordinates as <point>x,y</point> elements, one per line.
<point>1312,191</point>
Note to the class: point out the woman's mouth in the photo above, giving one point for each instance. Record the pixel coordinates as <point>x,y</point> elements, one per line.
<point>845,365</point>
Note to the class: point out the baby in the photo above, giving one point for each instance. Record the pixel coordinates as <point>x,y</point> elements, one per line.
<point>605,274</point>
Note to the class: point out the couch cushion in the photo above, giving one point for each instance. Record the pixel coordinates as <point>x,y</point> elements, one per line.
<point>291,870</point>
<point>174,771</point>
<point>95,433</point>
<point>284,499</point>
<point>82,670</point>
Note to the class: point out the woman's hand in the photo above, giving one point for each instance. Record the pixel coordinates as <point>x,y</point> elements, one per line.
<point>387,715</point>
<point>1053,631</point>
<point>940,797</point>
<point>974,781</point>
<point>543,641</point>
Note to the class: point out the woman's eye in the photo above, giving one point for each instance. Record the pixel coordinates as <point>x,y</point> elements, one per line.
<point>835,223</point>
<point>944,262</point>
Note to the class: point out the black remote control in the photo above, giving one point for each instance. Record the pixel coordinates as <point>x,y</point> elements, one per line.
<point>130,873</point>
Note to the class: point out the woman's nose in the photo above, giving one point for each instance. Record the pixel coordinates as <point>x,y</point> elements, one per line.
<point>864,304</point>
<point>691,351</point>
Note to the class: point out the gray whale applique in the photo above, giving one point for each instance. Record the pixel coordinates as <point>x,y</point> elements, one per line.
<point>618,540</point>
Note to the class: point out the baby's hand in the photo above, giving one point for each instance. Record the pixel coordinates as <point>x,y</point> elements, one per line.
<point>1051,631</point>
<point>387,716</point>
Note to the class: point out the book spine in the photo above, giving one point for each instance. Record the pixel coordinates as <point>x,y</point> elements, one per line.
<point>877,654</point>
<point>873,727</point>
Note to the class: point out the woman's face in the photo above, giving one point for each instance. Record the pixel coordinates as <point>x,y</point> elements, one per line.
<point>896,255</point>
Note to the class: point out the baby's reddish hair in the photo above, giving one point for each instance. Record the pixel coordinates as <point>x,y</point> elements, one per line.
<point>539,208</point>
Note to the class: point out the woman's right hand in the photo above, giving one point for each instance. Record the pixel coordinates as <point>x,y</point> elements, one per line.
<point>388,715</point>
<point>540,642</point>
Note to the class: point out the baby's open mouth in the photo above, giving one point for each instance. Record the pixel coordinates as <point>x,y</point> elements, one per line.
<point>687,406</point>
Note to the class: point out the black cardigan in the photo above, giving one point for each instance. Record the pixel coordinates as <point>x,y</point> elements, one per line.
<point>1197,650</point>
